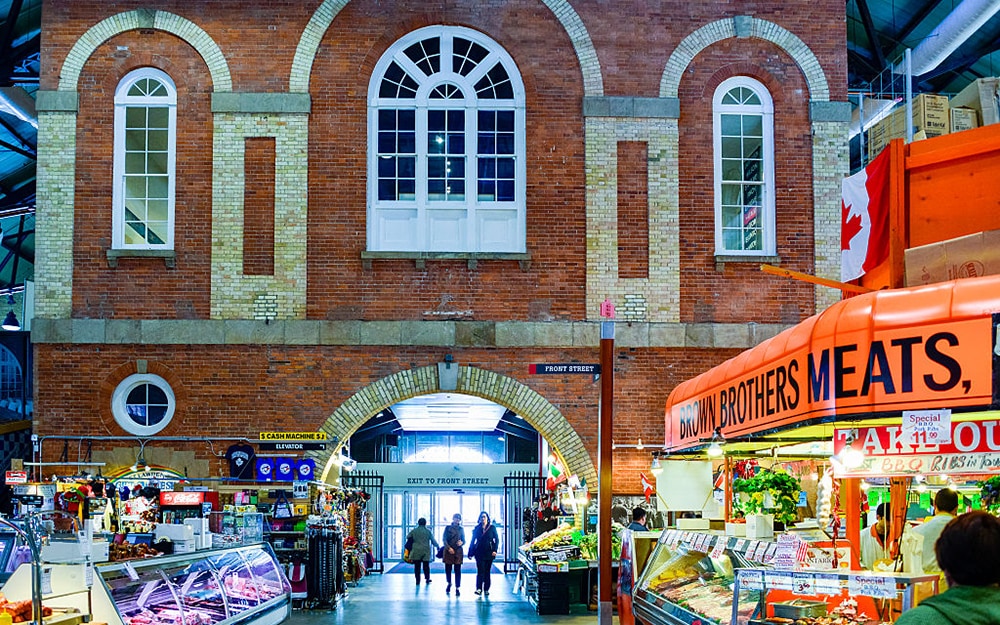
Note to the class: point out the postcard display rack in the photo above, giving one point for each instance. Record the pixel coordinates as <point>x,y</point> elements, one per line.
<point>694,577</point>
<point>242,584</point>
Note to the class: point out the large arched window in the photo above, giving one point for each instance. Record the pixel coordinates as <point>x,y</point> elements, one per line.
<point>744,168</point>
<point>145,140</point>
<point>446,168</point>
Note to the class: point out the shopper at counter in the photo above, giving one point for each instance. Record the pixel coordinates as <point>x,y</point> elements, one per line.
<point>420,552</point>
<point>968,551</point>
<point>874,539</point>
<point>945,506</point>
<point>638,523</point>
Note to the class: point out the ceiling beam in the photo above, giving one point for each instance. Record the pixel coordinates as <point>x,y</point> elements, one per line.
<point>906,31</point>
<point>7,36</point>
<point>873,37</point>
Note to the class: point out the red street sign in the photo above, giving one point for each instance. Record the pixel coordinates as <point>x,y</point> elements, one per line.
<point>566,368</point>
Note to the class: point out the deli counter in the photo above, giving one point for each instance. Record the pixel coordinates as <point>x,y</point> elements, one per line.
<point>236,585</point>
<point>712,579</point>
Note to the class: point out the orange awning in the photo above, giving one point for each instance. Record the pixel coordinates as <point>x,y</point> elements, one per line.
<point>902,349</point>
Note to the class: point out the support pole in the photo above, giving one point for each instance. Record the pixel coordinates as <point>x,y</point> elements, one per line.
<point>851,489</point>
<point>604,605</point>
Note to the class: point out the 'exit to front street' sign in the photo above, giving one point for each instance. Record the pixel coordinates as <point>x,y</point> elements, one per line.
<point>594,369</point>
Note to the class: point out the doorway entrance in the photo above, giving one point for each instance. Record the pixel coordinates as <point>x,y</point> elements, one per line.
<point>405,507</point>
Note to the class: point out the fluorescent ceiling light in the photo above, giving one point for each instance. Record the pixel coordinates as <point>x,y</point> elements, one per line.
<point>448,412</point>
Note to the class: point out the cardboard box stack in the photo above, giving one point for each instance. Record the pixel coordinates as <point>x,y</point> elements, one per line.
<point>983,96</point>
<point>963,118</point>
<point>964,257</point>
<point>930,119</point>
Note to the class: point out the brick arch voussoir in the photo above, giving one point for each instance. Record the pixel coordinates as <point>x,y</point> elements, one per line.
<point>714,32</point>
<point>69,75</point>
<point>503,390</point>
<point>569,19</point>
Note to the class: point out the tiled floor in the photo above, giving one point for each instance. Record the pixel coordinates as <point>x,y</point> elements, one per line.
<point>396,600</point>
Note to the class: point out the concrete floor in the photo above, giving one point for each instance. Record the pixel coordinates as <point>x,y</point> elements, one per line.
<point>395,600</point>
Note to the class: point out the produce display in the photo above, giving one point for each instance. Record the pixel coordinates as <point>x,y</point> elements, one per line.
<point>561,536</point>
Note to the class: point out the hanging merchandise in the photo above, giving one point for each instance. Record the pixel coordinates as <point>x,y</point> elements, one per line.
<point>241,461</point>
<point>265,469</point>
<point>325,564</point>
<point>284,469</point>
<point>297,579</point>
<point>305,469</point>
<point>282,507</point>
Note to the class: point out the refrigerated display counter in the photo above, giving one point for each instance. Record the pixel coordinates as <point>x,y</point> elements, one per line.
<point>216,587</point>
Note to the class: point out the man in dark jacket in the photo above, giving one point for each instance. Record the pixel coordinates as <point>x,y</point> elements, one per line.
<point>968,551</point>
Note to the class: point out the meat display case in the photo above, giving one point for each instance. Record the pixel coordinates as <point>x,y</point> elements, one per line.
<point>689,579</point>
<point>243,584</point>
<point>695,577</point>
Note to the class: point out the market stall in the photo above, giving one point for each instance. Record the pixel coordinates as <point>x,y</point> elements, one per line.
<point>864,363</point>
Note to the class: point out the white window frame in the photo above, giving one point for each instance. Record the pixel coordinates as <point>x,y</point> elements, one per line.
<point>766,110</point>
<point>122,101</point>
<point>475,222</point>
<point>120,395</point>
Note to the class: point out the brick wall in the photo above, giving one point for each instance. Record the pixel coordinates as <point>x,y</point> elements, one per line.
<point>589,181</point>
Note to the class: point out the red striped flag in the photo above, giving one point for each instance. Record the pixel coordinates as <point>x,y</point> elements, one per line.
<point>864,228</point>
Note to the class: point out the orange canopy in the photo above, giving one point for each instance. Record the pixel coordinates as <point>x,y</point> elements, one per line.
<point>902,349</point>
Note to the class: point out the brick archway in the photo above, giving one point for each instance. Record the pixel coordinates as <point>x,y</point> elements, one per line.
<point>506,391</point>
<point>312,35</point>
<point>69,74</point>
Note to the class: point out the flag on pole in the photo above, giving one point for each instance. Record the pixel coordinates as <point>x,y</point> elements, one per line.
<point>864,227</point>
<point>647,488</point>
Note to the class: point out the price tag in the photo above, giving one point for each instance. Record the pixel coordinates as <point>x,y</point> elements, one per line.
<point>805,583</point>
<point>46,580</point>
<point>130,571</point>
<point>780,580</point>
<point>772,548</point>
<point>720,548</point>
<point>877,586</point>
<point>751,549</point>
<point>826,584</point>
<point>705,541</point>
<point>741,545</point>
<point>751,579</point>
<point>88,574</point>
<point>557,556</point>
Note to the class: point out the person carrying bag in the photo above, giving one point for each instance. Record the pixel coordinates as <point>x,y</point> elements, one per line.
<point>419,542</point>
<point>485,542</point>
<point>452,555</point>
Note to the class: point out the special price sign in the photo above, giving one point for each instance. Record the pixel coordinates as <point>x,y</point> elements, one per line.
<point>930,427</point>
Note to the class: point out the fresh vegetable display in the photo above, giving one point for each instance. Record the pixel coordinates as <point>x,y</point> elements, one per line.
<point>768,492</point>
<point>588,543</point>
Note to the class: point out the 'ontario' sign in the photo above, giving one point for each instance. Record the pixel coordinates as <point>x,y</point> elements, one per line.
<point>857,372</point>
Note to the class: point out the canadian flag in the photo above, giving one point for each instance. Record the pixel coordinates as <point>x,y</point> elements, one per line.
<point>647,488</point>
<point>864,226</point>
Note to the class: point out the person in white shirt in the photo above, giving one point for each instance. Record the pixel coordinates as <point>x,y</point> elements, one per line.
<point>945,506</point>
<point>874,541</point>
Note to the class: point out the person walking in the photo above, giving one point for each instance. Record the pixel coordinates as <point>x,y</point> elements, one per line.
<point>483,548</point>
<point>452,556</point>
<point>420,551</point>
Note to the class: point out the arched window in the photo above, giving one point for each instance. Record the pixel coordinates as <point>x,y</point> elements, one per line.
<point>744,168</point>
<point>145,140</point>
<point>446,168</point>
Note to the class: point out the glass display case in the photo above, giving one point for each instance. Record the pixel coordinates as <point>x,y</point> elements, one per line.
<point>689,579</point>
<point>235,585</point>
<point>769,596</point>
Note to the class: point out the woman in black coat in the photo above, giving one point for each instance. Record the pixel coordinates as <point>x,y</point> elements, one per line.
<point>483,548</point>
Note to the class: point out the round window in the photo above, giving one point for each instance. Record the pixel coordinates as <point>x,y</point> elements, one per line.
<point>143,404</point>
